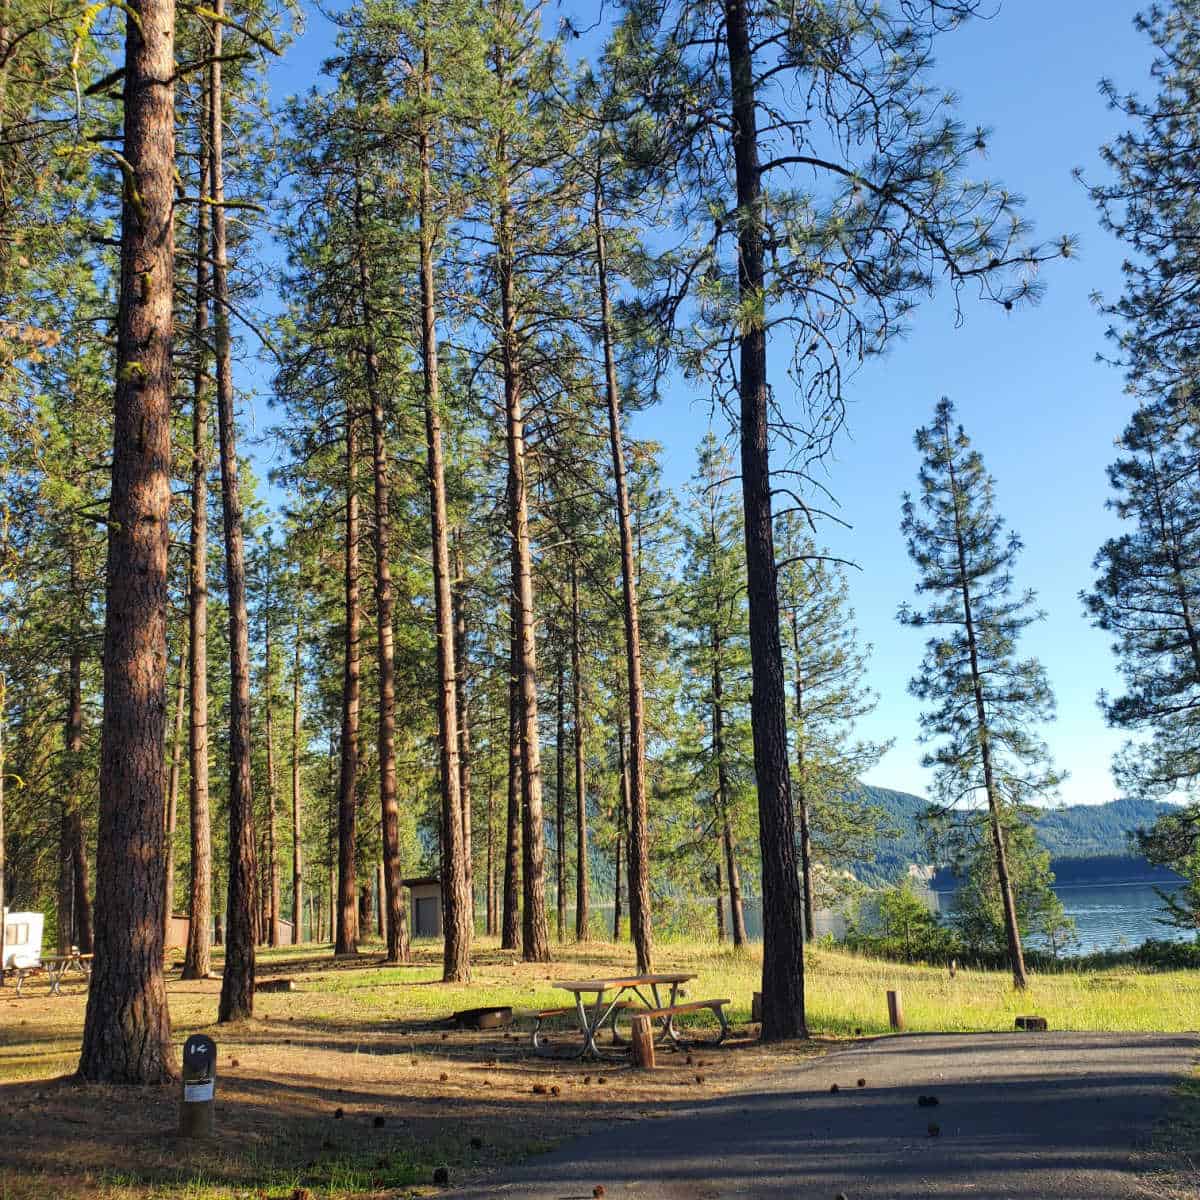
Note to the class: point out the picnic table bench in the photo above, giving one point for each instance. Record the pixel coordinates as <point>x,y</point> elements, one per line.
<point>637,995</point>
<point>54,966</point>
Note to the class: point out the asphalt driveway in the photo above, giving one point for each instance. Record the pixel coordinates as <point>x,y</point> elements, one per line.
<point>1057,1116</point>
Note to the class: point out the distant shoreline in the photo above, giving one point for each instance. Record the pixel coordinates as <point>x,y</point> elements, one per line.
<point>1099,871</point>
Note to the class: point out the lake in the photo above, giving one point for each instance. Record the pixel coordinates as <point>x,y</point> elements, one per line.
<point>1108,916</point>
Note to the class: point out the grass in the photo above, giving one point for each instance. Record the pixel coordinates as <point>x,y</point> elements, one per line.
<point>364,1038</point>
<point>1173,1164</point>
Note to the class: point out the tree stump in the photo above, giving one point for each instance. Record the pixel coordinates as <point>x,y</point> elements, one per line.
<point>642,1041</point>
<point>895,1010</point>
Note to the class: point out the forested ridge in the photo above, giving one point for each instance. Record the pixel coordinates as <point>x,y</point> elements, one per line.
<point>1075,831</point>
<point>442,616</point>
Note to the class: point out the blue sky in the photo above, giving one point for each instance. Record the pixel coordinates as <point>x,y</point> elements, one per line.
<point>1043,412</point>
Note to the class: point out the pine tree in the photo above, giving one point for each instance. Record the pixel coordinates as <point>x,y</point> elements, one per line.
<point>829,695</point>
<point>1174,841</point>
<point>983,702</point>
<point>863,217</point>
<point>237,981</point>
<point>1150,206</point>
<point>1147,597</point>
<point>1146,594</point>
<point>712,604</point>
<point>127,1028</point>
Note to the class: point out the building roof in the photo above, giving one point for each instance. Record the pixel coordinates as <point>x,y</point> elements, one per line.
<point>422,881</point>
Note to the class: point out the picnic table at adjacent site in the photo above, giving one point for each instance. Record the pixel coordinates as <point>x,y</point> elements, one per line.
<point>55,966</point>
<point>633,995</point>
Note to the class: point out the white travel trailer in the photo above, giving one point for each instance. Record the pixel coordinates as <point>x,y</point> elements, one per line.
<point>22,939</point>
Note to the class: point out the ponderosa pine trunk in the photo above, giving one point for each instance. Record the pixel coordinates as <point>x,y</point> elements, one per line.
<point>462,694</point>
<point>380,902</point>
<point>490,925</point>
<point>622,829</point>
<point>560,805</point>
<point>456,900</point>
<point>800,794</point>
<point>638,831</point>
<point>346,936</point>
<point>783,915</point>
<point>535,939</point>
<point>719,894</point>
<point>73,877</point>
<point>392,904</point>
<point>582,916</point>
<point>510,938</point>
<point>171,823</point>
<point>737,919</point>
<point>271,908</point>
<point>197,962</point>
<point>237,982</point>
<point>127,1028</point>
<point>297,825</point>
<point>1012,929</point>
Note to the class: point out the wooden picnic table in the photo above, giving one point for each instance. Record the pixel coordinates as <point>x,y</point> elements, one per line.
<point>605,1010</point>
<point>56,967</point>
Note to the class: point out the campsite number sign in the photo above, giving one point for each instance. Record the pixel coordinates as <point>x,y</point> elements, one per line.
<point>199,1086</point>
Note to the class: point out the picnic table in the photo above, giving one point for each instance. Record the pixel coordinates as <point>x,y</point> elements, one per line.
<point>615,995</point>
<point>55,966</point>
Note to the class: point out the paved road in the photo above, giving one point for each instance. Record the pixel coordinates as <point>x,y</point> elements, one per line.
<point>1051,1116</point>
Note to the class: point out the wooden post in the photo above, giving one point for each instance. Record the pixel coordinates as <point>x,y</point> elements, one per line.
<point>643,1043</point>
<point>895,1010</point>
<point>198,1081</point>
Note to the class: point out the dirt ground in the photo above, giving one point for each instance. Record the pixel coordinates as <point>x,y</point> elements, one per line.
<point>348,1086</point>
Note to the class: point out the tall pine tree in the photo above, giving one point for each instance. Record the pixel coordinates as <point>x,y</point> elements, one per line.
<point>983,703</point>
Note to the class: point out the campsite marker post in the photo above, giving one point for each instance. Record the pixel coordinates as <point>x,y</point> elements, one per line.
<point>199,1084</point>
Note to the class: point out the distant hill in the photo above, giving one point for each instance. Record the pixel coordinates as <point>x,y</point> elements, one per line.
<point>1072,833</point>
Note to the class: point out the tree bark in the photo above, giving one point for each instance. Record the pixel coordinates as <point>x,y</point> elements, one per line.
<point>297,824</point>
<point>638,850</point>
<point>346,937</point>
<point>535,940</point>
<point>622,828</point>
<point>582,916</point>
<point>464,713</point>
<point>737,918</point>
<point>783,917</point>
<point>172,817</point>
<point>800,793</point>
<point>456,900</point>
<point>272,891</point>
<point>73,890</point>
<point>511,932</point>
<point>463,700</point>
<point>560,805</point>
<point>1012,929</point>
<point>237,983</point>
<point>491,856</point>
<point>720,894</point>
<point>127,1028</point>
<point>392,905</point>
<point>197,962</point>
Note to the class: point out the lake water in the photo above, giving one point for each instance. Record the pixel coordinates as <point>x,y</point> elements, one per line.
<point>1116,915</point>
<point>1107,916</point>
